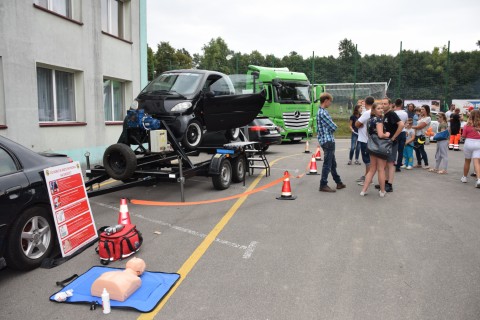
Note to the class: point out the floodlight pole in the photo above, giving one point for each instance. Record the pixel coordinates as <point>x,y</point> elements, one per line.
<point>313,67</point>
<point>398,86</point>
<point>355,74</point>
<point>448,72</point>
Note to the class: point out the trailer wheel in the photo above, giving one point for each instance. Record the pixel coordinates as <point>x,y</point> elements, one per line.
<point>239,165</point>
<point>119,161</point>
<point>224,179</point>
<point>193,136</point>
<point>232,134</point>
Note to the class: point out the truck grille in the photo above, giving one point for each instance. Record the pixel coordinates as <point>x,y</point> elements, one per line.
<point>296,120</point>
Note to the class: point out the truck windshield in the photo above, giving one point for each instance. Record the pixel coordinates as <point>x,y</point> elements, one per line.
<point>293,92</point>
<point>184,84</point>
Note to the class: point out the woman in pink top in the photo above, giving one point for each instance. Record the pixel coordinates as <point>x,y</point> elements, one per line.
<point>471,149</point>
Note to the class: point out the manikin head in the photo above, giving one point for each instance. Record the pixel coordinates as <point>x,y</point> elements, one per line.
<point>137,265</point>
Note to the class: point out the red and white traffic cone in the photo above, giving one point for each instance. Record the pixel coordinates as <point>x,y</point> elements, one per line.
<point>307,147</point>
<point>313,166</point>
<point>124,215</point>
<point>318,155</point>
<point>286,190</point>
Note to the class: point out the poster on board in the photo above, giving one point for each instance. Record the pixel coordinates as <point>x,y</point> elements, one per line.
<point>433,104</point>
<point>465,104</point>
<point>70,206</point>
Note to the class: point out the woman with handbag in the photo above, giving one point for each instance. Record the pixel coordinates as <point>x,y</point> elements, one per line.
<point>420,129</point>
<point>378,162</point>
<point>441,155</point>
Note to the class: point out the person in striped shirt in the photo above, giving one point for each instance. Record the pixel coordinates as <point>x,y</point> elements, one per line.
<point>325,129</point>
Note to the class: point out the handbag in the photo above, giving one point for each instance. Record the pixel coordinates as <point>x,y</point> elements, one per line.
<point>442,135</point>
<point>381,148</point>
<point>115,245</point>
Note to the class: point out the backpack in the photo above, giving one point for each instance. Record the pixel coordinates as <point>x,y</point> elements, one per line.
<point>119,245</point>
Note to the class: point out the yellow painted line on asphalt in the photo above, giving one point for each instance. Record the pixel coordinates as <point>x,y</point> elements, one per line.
<point>202,248</point>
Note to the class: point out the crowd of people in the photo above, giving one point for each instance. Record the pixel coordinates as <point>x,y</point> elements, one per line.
<point>406,128</point>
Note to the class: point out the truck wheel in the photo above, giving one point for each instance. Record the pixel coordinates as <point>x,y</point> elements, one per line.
<point>31,239</point>
<point>232,134</point>
<point>239,165</point>
<point>224,179</point>
<point>119,161</point>
<point>193,136</point>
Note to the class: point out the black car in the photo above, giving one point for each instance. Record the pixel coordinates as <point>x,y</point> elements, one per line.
<point>191,102</point>
<point>263,130</point>
<point>27,230</point>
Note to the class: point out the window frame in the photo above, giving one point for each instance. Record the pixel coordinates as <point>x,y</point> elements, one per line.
<point>120,20</point>
<point>54,98</point>
<point>112,102</point>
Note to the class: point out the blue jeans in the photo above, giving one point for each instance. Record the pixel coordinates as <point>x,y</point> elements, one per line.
<point>329,164</point>
<point>402,137</point>
<point>408,155</point>
<point>354,147</point>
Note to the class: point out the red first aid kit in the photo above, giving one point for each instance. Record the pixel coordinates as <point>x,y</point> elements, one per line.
<point>120,244</point>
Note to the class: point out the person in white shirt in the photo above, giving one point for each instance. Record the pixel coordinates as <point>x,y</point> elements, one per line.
<point>403,115</point>
<point>449,113</point>
<point>361,124</point>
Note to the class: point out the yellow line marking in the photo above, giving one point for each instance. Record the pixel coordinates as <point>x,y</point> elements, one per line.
<point>202,248</point>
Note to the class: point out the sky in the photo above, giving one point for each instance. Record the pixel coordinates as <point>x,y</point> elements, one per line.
<point>305,26</point>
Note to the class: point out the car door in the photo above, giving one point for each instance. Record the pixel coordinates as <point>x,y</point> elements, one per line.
<point>13,186</point>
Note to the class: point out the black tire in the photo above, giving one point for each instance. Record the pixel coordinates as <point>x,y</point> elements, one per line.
<point>224,179</point>
<point>193,136</point>
<point>119,161</point>
<point>232,134</point>
<point>31,239</point>
<point>239,165</point>
<point>265,148</point>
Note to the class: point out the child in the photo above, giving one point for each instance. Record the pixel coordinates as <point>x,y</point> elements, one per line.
<point>418,110</point>
<point>408,150</point>
<point>442,146</point>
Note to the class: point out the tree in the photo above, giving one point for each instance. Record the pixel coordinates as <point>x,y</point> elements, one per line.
<point>478,43</point>
<point>215,56</point>
<point>164,57</point>
<point>150,63</point>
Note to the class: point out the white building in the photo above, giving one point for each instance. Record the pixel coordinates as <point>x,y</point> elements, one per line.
<point>68,71</point>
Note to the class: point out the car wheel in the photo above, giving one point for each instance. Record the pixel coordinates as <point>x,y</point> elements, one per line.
<point>239,165</point>
<point>31,239</point>
<point>224,179</point>
<point>119,161</point>
<point>232,134</point>
<point>193,136</point>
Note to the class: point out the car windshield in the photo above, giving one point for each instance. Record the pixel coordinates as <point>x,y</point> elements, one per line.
<point>174,83</point>
<point>293,92</point>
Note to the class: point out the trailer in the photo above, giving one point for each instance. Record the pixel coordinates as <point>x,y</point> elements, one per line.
<point>164,160</point>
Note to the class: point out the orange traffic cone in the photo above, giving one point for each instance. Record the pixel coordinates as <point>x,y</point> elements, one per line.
<point>313,166</point>
<point>124,215</point>
<point>286,190</point>
<point>318,155</point>
<point>307,147</point>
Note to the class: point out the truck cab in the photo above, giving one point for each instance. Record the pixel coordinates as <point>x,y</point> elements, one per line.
<point>288,101</point>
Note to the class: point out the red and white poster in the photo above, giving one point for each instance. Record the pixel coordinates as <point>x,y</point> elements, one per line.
<point>71,209</point>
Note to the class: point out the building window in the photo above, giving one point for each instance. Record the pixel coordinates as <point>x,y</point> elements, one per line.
<point>2,98</point>
<point>113,100</point>
<point>56,95</point>
<point>112,17</point>
<point>62,7</point>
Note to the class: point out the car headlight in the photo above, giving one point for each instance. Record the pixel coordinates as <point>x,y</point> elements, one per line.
<point>134,105</point>
<point>181,107</point>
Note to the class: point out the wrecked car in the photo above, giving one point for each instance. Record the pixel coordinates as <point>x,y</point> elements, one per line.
<point>191,102</point>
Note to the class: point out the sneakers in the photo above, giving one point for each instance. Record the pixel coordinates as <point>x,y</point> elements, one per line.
<point>403,167</point>
<point>362,178</point>
<point>464,179</point>
<point>357,162</point>
<point>478,183</point>
<point>409,168</point>
<point>363,194</point>
<point>388,187</point>
<point>349,162</point>
<point>426,167</point>
<point>382,194</point>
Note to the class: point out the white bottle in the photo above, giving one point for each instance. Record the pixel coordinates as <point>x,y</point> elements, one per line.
<point>106,301</point>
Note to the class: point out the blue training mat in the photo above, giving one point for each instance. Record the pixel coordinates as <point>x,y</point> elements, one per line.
<point>155,285</point>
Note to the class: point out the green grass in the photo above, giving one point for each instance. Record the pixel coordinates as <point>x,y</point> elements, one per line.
<point>343,130</point>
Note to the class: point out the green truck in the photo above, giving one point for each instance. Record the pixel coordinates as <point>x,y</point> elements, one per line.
<point>290,101</point>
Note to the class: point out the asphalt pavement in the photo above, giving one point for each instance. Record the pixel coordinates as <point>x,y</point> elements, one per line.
<point>411,255</point>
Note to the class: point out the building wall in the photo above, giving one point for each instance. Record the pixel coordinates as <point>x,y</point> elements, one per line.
<point>31,37</point>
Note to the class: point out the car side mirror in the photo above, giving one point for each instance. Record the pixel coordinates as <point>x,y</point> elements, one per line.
<point>209,94</point>
<point>276,83</point>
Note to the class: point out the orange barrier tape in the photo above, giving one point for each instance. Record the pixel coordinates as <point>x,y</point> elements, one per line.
<point>160,203</point>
